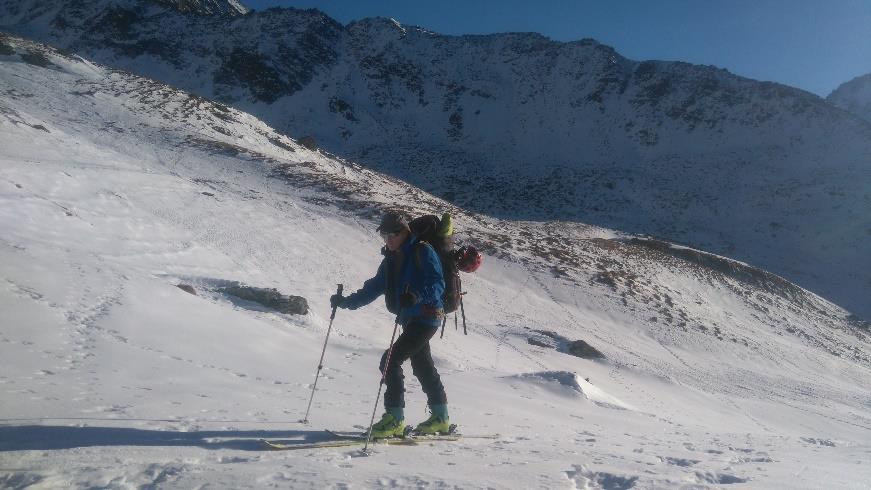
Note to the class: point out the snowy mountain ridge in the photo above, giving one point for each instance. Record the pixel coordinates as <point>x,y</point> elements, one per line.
<point>208,7</point>
<point>854,96</point>
<point>518,126</point>
<point>114,189</point>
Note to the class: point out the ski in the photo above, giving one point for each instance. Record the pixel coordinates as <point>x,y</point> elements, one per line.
<point>351,438</point>
<point>410,434</point>
<point>358,441</point>
<point>281,446</point>
<point>408,437</point>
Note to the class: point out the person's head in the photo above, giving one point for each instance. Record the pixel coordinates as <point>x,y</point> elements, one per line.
<point>394,230</point>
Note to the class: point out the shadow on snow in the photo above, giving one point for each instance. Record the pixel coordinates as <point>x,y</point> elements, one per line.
<point>44,437</point>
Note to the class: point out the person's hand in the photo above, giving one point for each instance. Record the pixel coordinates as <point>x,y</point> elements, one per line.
<point>336,300</point>
<point>407,299</point>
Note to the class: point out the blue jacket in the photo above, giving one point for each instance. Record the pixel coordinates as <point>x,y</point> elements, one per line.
<point>415,267</point>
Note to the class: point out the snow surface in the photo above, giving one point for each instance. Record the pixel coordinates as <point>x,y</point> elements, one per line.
<point>115,189</point>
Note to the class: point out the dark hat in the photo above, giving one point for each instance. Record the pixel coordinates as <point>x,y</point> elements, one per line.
<point>391,222</point>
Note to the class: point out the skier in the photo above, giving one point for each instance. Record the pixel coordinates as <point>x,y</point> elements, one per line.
<point>410,277</point>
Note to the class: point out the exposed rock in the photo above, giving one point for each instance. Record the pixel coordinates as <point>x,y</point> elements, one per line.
<point>5,49</point>
<point>308,142</point>
<point>37,59</point>
<point>241,67</point>
<point>187,288</point>
<point>579,348</point>
<point>537,341</point>
<point>270,298</point>
<point>553,340</point>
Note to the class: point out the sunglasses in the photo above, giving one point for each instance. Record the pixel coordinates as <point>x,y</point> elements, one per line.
<point>388,235</point>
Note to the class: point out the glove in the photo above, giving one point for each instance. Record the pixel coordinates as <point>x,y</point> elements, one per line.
<point>336,300</point>
<point>407,299</point>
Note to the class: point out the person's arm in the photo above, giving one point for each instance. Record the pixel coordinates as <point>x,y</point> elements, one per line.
<point>371,289</point>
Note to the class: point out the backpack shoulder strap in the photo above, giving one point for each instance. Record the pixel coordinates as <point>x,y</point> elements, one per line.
<point>417,251</point>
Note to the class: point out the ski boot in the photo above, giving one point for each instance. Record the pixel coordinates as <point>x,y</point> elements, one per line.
<point>435,424</point>
<point>388,426</point>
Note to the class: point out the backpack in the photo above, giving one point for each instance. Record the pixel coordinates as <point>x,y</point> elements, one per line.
<point>439,234</point>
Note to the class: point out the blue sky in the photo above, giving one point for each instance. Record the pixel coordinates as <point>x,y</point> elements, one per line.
<point>814,45</point>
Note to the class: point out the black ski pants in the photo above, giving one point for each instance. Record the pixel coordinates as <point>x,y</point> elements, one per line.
<point>413,343</point>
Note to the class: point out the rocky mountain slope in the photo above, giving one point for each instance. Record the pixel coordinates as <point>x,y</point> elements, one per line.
<point>519,126</point>
<point>854,96</point>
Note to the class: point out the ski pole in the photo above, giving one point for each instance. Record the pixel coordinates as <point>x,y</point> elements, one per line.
<point>321,362</point>
<point>463,311</point>
<point>444,320</point>
<point>383,377</point>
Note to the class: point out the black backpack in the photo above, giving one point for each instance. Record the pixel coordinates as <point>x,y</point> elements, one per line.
<point>439,234</point>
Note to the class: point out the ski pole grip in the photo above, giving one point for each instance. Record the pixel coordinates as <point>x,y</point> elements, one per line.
<point>333,313</point>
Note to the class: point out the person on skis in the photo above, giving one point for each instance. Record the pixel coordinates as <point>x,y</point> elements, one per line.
<point>410,277</point>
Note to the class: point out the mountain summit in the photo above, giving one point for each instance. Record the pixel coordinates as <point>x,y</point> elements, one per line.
<point>207,7</point>
<point>854,96</point>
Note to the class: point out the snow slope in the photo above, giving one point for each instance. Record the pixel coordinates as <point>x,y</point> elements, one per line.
<point>114,189</point>
<point>522,127</point>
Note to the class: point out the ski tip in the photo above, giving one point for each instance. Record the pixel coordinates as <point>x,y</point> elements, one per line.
<point>271,445</point>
